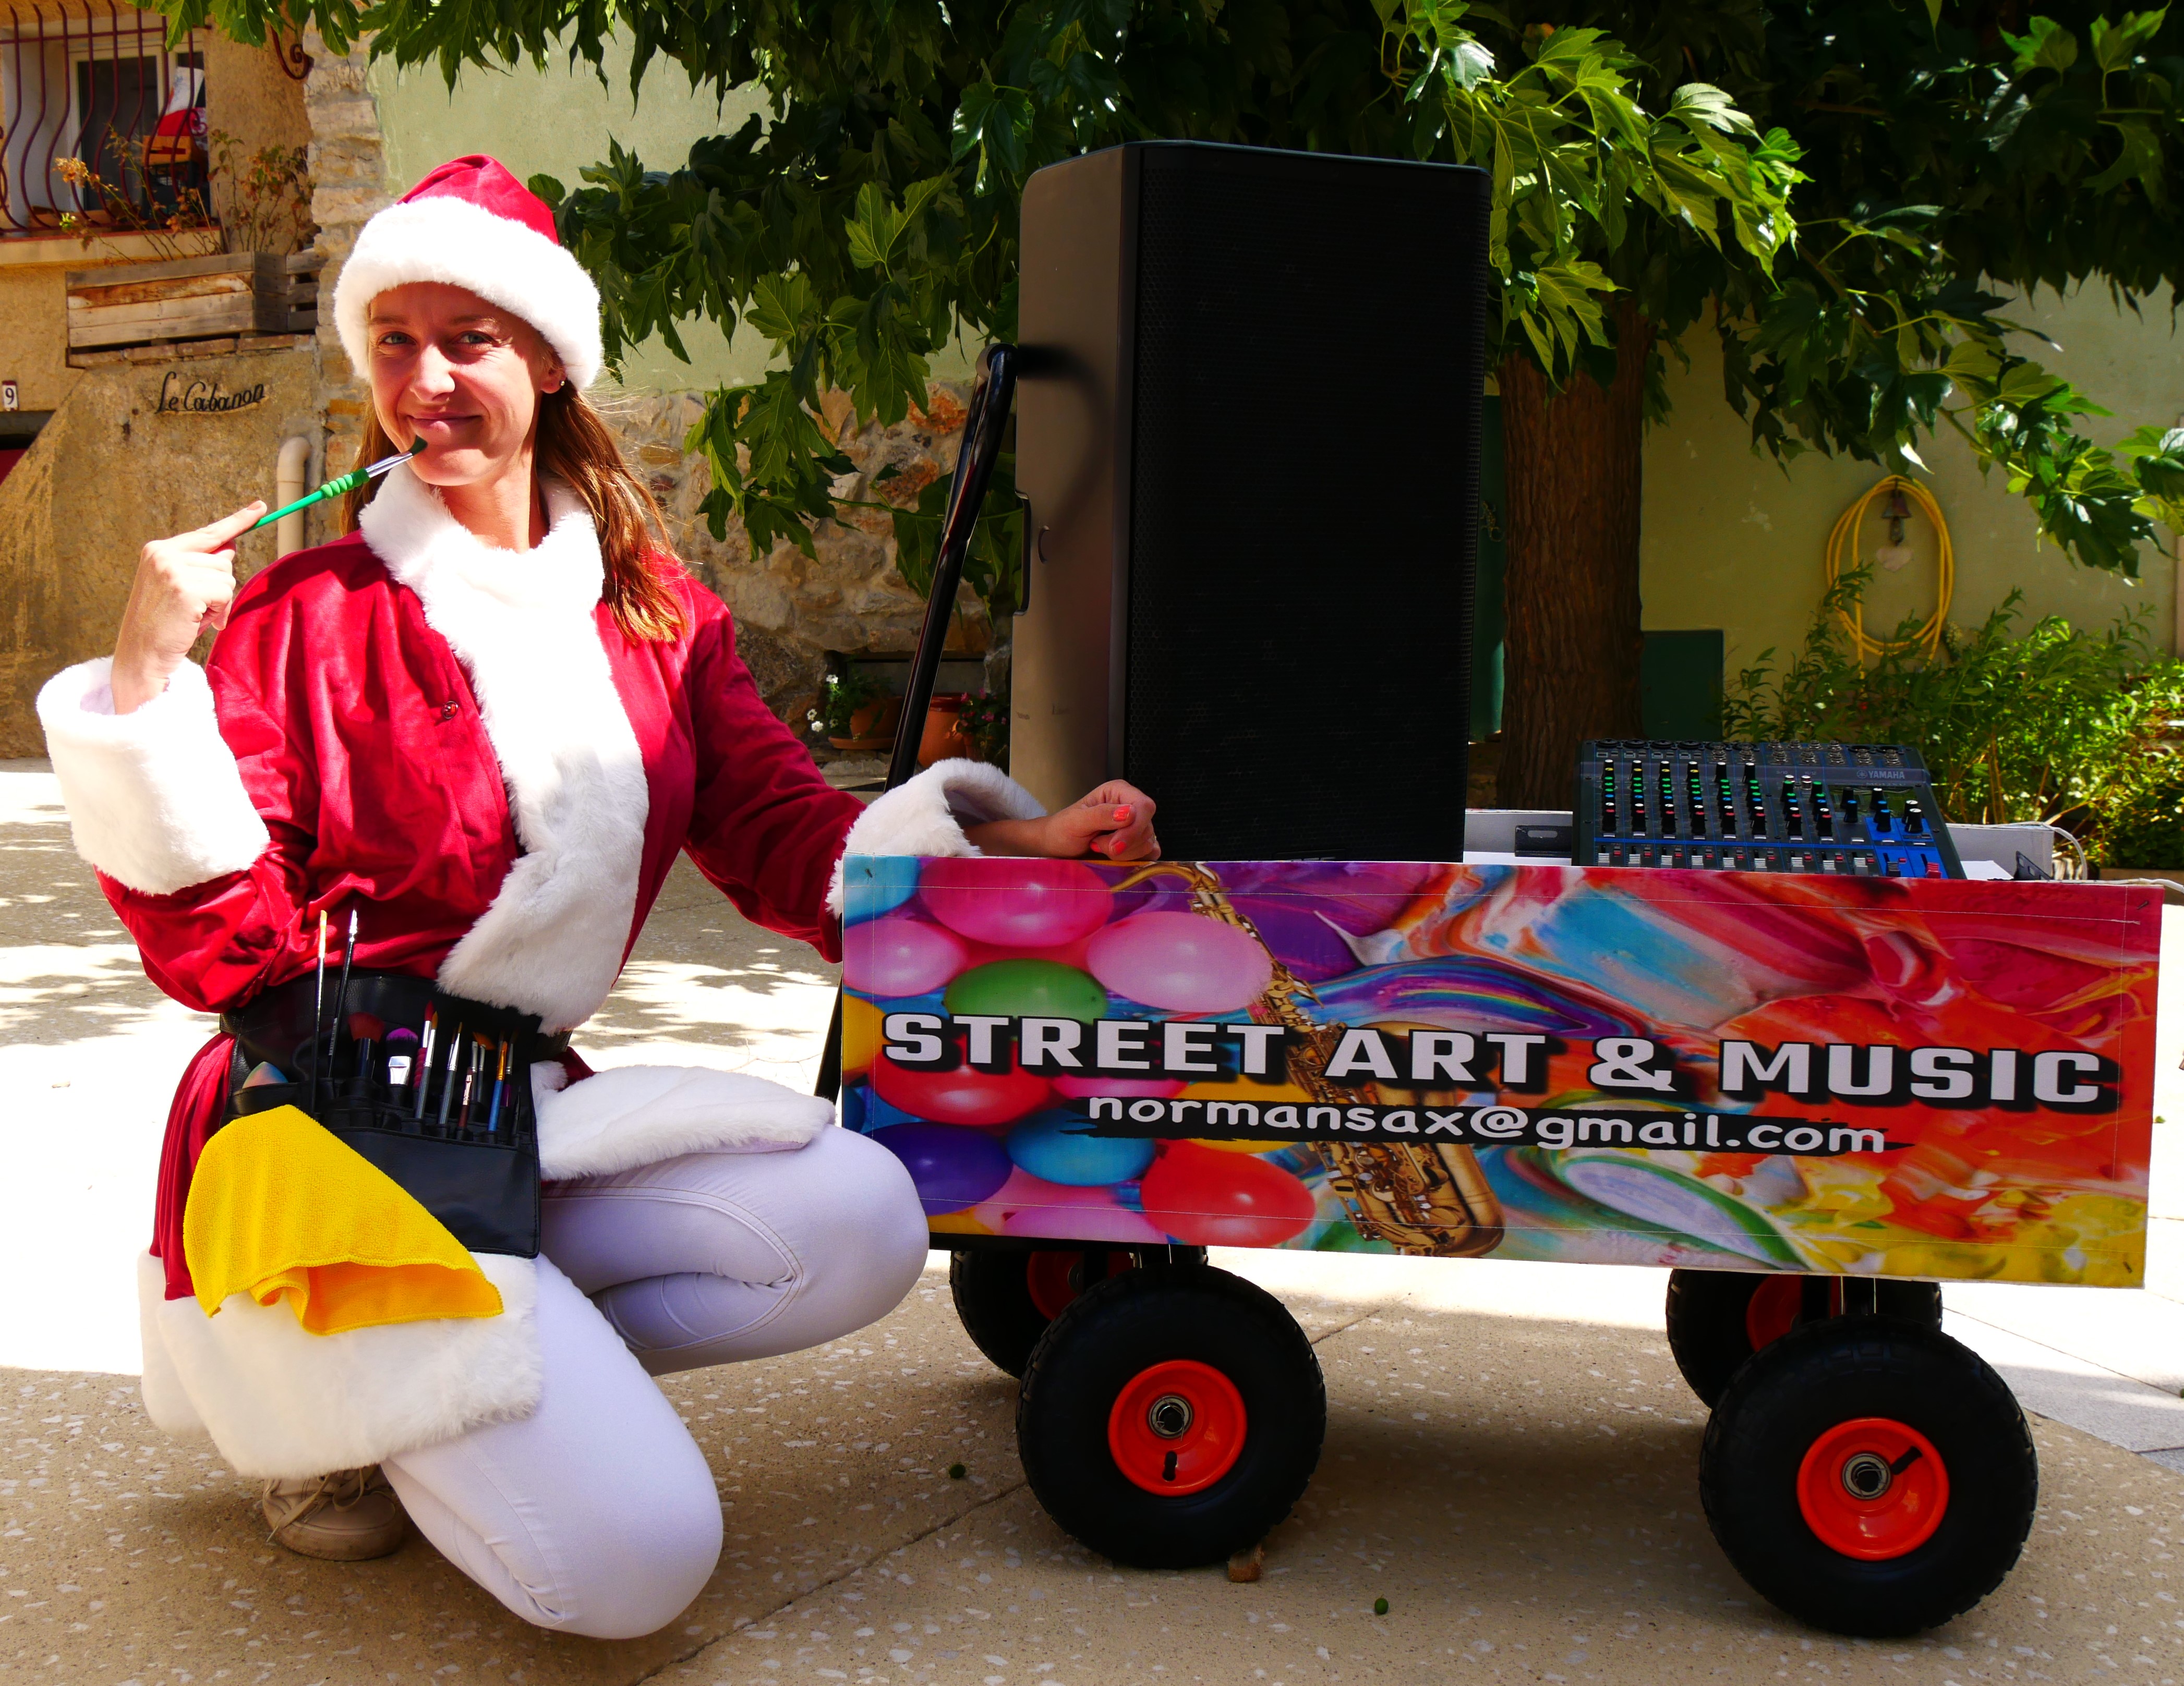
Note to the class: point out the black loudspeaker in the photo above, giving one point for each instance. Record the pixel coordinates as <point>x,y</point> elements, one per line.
<point>1248,426</point>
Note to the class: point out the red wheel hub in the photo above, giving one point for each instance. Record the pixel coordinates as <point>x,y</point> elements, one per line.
<point>1873,1488</point>
<point>1056,1278</point>
<point>1177,1427</point>
<point>1772,1311</point>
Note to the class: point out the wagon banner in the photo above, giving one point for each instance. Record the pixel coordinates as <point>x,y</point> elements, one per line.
<point>1901,1077</point>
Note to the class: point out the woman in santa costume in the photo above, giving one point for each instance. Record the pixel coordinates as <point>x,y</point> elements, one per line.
<point>484,723</point>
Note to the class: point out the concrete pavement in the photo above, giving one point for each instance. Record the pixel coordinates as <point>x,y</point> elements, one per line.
<point>1511,1458</point>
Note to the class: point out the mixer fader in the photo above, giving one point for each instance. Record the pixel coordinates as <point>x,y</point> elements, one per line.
<point>1858,809</point>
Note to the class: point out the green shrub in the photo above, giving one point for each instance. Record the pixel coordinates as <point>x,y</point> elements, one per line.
<point>2055,725</point>
<point>2143,821</point>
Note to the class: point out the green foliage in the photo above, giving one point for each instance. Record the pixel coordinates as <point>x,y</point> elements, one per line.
<point>1944,153</point>
<point>841,694</point>
<point>993,567</point>
<point>2049,725</point>
<point>985,722</point>
<point>1826,182</point>
<point>2144,815</point>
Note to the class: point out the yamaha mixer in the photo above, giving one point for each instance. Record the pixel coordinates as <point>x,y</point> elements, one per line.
<point>1860,809</point>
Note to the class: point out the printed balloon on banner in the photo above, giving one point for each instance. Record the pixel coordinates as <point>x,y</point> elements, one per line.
<point>1012,902</point>
<point>874,885</point>
<point>1027,989</point>
<point>1134,1088</point>
<point>860,1033</point>
<point>899,956</point>
<point>965,1095</point>
<point>1180,963</point>
<point>952,1167</point>
<point>1216,1199</point>
<point>1059,1147</point>
<point>1029,1205</point>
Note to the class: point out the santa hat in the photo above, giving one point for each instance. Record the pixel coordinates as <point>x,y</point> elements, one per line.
<point>472,225</point>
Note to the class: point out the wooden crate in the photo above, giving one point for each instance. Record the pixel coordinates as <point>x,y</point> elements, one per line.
<point>192,299</point>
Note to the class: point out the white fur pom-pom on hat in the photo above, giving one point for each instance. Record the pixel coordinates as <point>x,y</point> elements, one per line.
<point>472,223</point>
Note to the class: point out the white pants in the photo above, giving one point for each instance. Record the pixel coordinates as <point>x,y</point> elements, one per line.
<point>597,1515</point>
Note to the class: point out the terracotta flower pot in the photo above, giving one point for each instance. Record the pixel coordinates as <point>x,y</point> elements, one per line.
<point>943,739</point>
<point>872,725</point>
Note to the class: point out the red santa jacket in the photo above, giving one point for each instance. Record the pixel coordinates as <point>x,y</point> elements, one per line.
<point>456,742</point>
<point>460,744</point>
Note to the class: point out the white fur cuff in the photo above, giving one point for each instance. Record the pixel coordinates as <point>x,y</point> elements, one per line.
<point>630,1115</point>
<point>154,798</point>
<point>927,815</point>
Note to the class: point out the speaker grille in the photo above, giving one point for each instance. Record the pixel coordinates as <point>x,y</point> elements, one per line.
<point>1303,503</point>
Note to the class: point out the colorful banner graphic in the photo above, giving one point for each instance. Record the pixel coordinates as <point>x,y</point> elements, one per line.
<point>1896,1077</point>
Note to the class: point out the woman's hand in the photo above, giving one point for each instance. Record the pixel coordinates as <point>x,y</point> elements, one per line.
<point>1115,821</point>
<point>184,584</point>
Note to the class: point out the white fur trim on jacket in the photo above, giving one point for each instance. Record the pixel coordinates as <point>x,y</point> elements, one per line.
<point>449,240</point>
<point>630,1115</point>
<point>154,798</point>
<point>927,815</point>
<point>551,941</point>
<point>278,1402</point>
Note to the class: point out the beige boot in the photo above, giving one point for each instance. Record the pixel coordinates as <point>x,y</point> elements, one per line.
<point>344,1517</point>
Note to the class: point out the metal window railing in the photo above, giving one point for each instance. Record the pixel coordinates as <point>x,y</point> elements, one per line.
<point>101,84</point>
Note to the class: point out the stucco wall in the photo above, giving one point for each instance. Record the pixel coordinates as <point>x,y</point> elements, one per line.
<point>1732,541</point>
<point>249,98</point>
<point>33,325</point>
<point>110,473</point>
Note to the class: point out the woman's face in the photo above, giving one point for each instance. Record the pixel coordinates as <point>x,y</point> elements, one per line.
<point>463,375</point>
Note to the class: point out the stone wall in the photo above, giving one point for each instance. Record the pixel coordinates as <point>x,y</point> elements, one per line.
<point>794,612</point>
<point>348,183</point>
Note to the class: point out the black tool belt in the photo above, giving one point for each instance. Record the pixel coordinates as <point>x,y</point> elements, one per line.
<point>459,1132</point>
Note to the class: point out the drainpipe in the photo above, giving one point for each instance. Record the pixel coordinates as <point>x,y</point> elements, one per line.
<point>290,471</point>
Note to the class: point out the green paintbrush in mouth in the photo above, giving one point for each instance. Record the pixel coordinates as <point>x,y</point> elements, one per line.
<point>335,488</point>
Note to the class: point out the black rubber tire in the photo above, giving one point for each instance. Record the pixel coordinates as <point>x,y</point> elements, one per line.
<point>1706,1333</point>
<point>992,1291</point>
<point>1125,1325</point>
<point>1826,1373</point>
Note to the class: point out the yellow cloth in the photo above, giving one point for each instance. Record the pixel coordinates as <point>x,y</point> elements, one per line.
<point>280,1207</point>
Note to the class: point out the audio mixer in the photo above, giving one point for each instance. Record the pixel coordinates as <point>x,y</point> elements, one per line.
<point>1860,809</point>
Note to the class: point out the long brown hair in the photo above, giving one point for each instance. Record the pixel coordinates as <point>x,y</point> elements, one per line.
<point>573,445</point>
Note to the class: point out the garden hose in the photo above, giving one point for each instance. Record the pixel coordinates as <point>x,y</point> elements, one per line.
<point>1842,556</point>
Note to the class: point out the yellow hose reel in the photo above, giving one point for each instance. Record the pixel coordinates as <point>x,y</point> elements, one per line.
<point>1842,556</point>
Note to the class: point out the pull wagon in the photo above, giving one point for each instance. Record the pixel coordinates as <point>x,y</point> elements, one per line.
<point>1810,1099</point>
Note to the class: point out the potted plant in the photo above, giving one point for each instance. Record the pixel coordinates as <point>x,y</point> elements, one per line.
<point>985,720</point>
<point>944,739</point>
<point>854,711</point>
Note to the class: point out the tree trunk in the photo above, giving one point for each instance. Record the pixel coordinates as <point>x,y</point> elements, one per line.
<point>1570,593</point>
